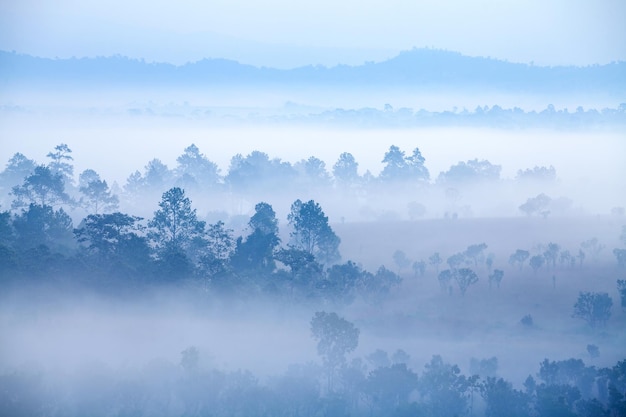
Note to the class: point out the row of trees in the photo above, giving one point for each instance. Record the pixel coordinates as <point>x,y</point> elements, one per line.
<point>119,249</point>
<point>254,173</point>
<point>567,388</point>
<point>378,384</point>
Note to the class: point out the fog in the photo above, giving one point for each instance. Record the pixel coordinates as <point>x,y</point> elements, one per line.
<point>298,253</point>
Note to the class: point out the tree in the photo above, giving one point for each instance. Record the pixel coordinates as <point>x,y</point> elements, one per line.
<point>390,387</point>
<point>311,232</point>
<point>97,194</point>
<point>103,234</point>
<point>175,225</point>
<point>435,260</point>
<point>444,390</point>
<point>464,278</point>
<point>256,252</point>
<point>42,225</point>
<point>256,171</point>
<point>395,164</point>
<point>335,337</point>
<point>419,268</point>
<point>536,205</point>
<point>455,260</point>
<point>496,277</point>
<point>219,248</point>
<point>546,174</point>
<point>61,163</point>
<point>376,286</point>
<point>593,247</point>
<point>342,280</point>
<point>470,171</point>
<point>313,172</point>
<point>489,261</point>
<point>42,187</point>
<point>345,169</point>
<point>445,277</point>
<point>264,219</point>
<point>536,262</point>
<point>306,272</point>
<point>594,308</point>
<point>116,242</point>
<point>621,288</point>
<point>503,400</point>
<point>417,169</point>
<point>475,252</point>
<point>401,260</point>
<point>17,168</point>
<point>157,175</point>
<point>552,253</point>
<point>195,169</point>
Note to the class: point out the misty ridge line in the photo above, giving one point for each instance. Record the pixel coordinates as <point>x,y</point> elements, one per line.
<point>417,67</point>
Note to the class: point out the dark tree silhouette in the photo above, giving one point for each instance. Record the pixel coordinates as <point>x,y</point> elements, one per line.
<point>594,308</point>
<point>256,252</point>
<point>175,225</point>
<point>311,232</point>
<point>115,244</point>
<point>42,225</point>
<point>219,249</point>
<point>60,163</point>
<point>464,278</point>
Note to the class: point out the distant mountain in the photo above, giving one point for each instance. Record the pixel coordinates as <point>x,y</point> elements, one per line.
<point>418,68</point>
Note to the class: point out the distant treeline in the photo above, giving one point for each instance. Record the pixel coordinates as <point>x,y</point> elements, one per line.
<point>415,68</point>
<point>485,116</point>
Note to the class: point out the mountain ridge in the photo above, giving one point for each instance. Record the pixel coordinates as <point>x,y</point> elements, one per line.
<point>415,68</point>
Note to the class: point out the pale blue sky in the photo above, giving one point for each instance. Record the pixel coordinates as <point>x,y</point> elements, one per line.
<point>266,32</point>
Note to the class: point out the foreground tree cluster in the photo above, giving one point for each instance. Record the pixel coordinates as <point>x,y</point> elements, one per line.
<point>378,384</point>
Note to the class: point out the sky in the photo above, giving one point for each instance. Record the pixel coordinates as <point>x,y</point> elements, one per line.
<point>288,33</point>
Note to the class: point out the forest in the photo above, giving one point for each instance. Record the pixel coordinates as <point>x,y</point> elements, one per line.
<point>379,300</point>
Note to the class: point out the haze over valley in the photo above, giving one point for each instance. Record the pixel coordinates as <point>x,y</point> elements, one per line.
<point>388,209</point>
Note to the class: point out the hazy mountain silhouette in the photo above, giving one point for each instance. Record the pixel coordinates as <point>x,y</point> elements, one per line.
<point>417,68</point>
